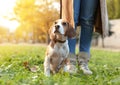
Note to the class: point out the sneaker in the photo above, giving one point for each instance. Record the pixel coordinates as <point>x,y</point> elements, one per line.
<point>85,69</point>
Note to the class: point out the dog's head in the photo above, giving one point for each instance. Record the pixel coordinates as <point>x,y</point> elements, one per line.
<point>61,30</point>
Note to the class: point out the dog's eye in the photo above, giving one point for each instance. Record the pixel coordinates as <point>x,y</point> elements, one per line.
<point>55,22</point>
<point>64,23</point>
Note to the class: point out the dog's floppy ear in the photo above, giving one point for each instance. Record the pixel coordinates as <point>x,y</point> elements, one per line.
<point>70,32</point>
<point>52,36</point>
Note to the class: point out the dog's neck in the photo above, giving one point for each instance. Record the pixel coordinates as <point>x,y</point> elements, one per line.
<point>53,42</point>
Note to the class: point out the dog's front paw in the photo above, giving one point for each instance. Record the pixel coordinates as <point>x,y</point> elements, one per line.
<point>70,68</point>
<point>47,74</point>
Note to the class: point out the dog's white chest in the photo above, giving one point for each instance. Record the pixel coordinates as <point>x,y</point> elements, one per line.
<point>62,49</point>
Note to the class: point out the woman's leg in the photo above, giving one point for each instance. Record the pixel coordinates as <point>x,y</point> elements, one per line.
<point>72,42</point>
<point>87,14</point>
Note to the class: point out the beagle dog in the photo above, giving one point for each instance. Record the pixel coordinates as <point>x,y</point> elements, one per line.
<point>58,49</point>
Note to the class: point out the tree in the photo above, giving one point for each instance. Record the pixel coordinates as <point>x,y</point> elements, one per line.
<point>36,16</point>
<point>3,33</point>
<point>113,9</point>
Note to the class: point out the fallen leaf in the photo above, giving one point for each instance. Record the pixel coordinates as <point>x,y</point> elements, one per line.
<point>26,65</point>
<point>34,69</point>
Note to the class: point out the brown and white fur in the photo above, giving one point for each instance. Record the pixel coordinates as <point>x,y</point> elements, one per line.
<point>58,49</point>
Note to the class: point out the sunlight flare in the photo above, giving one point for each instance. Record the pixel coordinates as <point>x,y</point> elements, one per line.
<point>7,12</point>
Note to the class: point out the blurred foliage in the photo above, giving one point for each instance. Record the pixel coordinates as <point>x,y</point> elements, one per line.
<point>113,7</point>
<point>4,32</point>
<point>35,17</point>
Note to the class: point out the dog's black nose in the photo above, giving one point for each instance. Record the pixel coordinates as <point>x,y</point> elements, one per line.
<point>57,27</point>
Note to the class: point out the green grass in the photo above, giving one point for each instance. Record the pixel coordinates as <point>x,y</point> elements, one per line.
<point>104,64</point>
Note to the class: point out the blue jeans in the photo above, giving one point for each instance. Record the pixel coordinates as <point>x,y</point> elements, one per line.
<point>84,12</point>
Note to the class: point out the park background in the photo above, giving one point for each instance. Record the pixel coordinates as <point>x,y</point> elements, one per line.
<point>24,36</point>
<point>28,21</point>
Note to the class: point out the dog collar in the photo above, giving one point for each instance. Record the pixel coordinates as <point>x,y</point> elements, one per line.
<point>61,41</point>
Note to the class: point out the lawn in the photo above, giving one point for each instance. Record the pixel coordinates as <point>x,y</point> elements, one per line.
<point>23,65</point>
